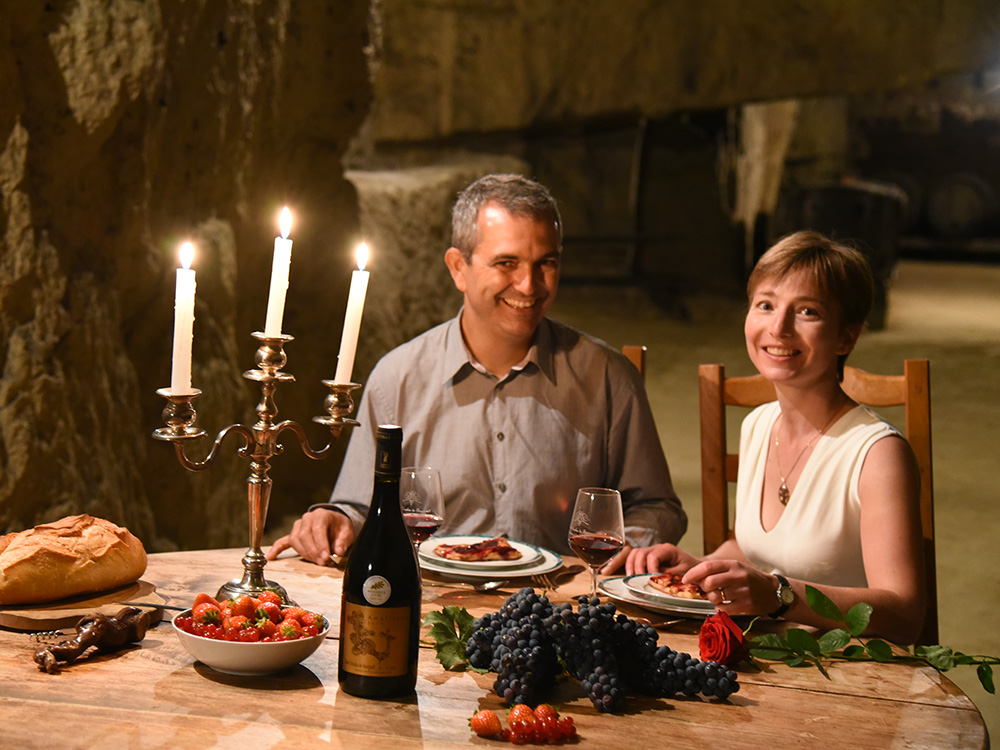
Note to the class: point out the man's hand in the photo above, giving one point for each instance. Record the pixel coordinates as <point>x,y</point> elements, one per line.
<point>317,536</point>
<point>666,558</point>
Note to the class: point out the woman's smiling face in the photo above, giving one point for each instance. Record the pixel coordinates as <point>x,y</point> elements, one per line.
<point>794,332</point>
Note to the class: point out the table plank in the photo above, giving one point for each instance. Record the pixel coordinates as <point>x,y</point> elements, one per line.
<point>157,696</point>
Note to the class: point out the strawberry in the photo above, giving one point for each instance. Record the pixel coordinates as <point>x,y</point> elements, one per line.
<point>235,622</point>
<point>295,613</point>
<point>267,629</point>
<point>485,723</point>
<point>522,713</point>
<point>311,618</point>
<point>544,711</point>
<point>290,628</point>
<point>207,612</point>
<point>202,598</point>
<point>269,596</point>
<point>244,606</point>
<point>268,611</point>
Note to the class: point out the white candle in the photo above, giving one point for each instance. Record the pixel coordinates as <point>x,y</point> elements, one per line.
<point>352,320</point>
<point>180,376</point>
<point>279,276</point>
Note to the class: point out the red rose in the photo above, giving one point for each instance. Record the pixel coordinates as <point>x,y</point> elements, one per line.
<point>720,639</point>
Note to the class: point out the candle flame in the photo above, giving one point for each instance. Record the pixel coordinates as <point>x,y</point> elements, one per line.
<point>285,222</point>
<point>187,254</point>
<point>362,256</point>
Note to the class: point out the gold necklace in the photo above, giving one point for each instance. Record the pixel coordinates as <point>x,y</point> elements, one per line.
<point>783,492</point>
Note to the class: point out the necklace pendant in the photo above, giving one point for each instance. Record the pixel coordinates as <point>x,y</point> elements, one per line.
<point>783,493</point>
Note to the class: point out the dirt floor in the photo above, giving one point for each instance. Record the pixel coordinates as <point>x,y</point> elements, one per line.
<point>948,313</point>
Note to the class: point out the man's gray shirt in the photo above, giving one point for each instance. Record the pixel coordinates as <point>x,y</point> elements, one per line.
<point>513,452</point>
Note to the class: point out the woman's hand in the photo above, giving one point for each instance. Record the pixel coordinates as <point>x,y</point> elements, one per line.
<point>736,587</point>
<point>660,558</point>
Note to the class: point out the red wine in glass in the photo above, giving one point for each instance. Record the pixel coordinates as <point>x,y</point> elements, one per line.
<point>423,502</point>
<point>422,525</point>
<point>597,528</point>
<point>595,549</point>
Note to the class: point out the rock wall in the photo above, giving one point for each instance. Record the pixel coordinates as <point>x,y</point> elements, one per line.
<point>451,66</point>
<point>125,127</point>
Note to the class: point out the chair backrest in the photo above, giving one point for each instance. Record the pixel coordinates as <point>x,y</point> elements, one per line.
<point>638,356</point>
<point>719,467</point>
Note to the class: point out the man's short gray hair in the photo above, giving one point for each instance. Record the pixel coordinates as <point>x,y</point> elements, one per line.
<point>516,194</point>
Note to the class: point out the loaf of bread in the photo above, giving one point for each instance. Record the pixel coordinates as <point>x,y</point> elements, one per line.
<point>74,555</point>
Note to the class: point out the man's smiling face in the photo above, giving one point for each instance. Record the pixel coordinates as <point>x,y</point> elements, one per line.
<point>511,279</point>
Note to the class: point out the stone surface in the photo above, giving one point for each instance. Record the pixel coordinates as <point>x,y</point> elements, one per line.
<point>126,127</point>
<point>450,66</point>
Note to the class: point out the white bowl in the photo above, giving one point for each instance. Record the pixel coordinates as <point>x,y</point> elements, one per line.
<point>239,658</point>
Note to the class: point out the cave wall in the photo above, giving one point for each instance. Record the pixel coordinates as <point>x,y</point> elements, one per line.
<point>450,66</point>
<point>126,127</point>
<point>622,108</point>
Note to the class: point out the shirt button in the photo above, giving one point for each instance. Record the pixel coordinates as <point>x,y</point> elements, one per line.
<point>502,487</point>
<point>500,436</point>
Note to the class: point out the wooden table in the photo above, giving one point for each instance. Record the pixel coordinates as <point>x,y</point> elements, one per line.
<point>156,696</point>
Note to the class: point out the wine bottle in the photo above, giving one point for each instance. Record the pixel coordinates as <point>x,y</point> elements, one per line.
<point>380,604</point>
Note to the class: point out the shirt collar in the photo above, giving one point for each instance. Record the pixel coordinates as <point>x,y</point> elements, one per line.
<point>458,358</point>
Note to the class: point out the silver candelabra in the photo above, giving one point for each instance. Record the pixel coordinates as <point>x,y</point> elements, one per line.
<point>260,444</point>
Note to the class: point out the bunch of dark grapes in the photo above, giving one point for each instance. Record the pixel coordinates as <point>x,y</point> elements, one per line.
<point>528,642</point>
<point>589,643</point>
<point>674,672</point>
<point>515,643</point>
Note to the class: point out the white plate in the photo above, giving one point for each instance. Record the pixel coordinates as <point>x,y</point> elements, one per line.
<point>550,561</point>
<point>530,555</point>
<point>639,585</point>
<point>616,589</point>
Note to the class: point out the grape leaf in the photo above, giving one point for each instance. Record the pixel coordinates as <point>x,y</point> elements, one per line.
<point>450,629</point>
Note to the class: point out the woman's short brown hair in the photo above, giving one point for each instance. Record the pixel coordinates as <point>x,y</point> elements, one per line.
<point>841,271</point>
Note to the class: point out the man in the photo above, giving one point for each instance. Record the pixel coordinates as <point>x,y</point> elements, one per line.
<point>515,410</point>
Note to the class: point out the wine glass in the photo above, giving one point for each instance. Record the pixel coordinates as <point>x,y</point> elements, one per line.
<point>423,502</point>
<point>597,530</point>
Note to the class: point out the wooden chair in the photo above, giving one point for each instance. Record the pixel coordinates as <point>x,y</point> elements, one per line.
<point>719,467</point>
<point>638,356</point>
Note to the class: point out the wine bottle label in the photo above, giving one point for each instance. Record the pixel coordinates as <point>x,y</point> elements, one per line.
<point>376,590</point>
<point>375,641</point>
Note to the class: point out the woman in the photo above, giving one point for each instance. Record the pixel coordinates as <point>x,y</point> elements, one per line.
<point>828,493</point>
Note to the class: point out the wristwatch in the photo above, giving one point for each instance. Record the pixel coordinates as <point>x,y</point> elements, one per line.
<point>785,596</point>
